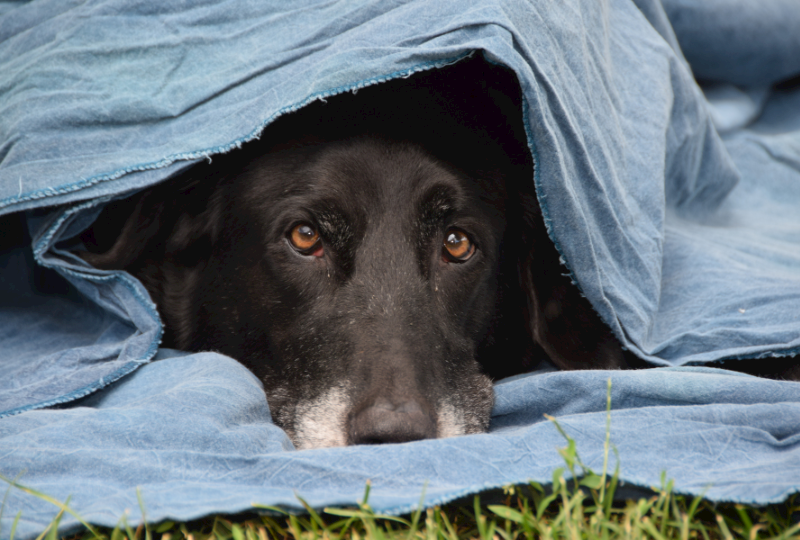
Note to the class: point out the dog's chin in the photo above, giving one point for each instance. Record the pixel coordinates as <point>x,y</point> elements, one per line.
<point>323,422</point>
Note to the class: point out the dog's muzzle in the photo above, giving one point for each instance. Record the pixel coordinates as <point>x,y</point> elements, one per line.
<point>388,420</point>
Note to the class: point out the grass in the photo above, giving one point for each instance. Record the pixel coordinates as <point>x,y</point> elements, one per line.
<point>564,514</point>
<point>571,511</point>
<point>528,512</point>
<point>579,504</point>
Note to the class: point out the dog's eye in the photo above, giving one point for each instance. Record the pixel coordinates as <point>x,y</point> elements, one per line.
<point>457,246</point>
<point>305,239</point>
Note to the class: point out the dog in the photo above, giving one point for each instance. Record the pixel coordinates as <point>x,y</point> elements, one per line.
<point>376,260</point>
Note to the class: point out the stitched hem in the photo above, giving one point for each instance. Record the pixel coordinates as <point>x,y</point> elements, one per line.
<point>223,149</point>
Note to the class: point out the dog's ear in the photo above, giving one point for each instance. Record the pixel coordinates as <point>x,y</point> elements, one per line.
<point>175,220</point>
<point>164,236</point>
<point>561,320</point>
<point>122,232</point>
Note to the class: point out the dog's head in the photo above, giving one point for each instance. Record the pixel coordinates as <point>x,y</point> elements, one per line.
<point>375,261</point>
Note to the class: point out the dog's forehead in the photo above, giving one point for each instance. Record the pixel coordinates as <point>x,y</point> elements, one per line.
<point>366,183</point>
<point>376,171</point>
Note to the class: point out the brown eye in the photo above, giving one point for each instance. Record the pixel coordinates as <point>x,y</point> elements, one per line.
<point>457,246</point>
<point>305,239</point>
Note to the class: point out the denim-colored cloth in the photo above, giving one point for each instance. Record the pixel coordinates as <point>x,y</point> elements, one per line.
<point>675,209</point>
<point>193,434</point>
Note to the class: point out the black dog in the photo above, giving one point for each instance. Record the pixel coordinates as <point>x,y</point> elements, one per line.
<point>375,260</point>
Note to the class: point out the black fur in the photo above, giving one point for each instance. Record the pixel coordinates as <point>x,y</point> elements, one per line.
<point>382,336</point>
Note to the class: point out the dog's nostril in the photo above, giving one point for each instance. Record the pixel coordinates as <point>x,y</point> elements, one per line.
<point>384,422</point>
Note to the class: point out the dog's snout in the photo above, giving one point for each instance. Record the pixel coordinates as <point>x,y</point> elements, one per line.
<point>389,421</point>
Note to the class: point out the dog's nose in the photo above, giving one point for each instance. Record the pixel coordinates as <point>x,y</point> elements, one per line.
<point>386,422</point>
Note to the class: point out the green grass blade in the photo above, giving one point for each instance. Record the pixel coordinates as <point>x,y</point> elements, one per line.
<point>443,520</point>
<point>164,527</point>
<point>5,497</point>
<point>592,481</point>
<point>131,534</point>
<point>236,532</point>
<point>147,534</point>
<point>723,527</point>
<point>51,500</point>
<point>414,526</point>
<point>508,513</point>
<point>606,445</point>
<point>14,525</point>
<point>53,533</point>
<point>51,530</point>
<point>316,520</point>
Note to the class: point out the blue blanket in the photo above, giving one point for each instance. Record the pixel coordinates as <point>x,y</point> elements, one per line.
<point>674,207</point>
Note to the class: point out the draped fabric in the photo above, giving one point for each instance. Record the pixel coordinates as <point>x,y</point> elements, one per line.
<point>673,203</point>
